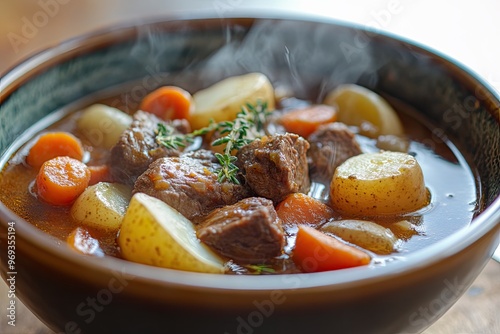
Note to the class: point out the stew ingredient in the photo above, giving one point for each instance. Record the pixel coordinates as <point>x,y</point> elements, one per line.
<point>259,186</point>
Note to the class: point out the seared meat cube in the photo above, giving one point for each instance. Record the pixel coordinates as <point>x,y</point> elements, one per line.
<point>247,232</point>
<point>275,166</point>
<point>331,145</point>
<point>188,184</point>
<point>137,147</point>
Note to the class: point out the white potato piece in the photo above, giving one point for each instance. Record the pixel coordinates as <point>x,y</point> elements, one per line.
<point>365,234</point>
<point>366,109</point>
<point>102,205</point>
<point>103,125</point>
<point>378,184</point>
<point>223,100</point>
<point>154,233</point>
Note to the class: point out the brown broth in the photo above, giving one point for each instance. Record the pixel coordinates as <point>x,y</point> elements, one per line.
<point>452,184</point>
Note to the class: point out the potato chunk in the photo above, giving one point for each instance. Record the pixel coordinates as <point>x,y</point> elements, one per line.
<point>81,241</point>
<point>364,108</point>
<point>223,100</point>
<point>103,125</point>
<point>365,234</point>
<point>154,233</point>
<point>102,205</point>
<point>374,184</point>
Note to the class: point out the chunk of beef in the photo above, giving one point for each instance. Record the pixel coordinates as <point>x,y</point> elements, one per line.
<point>137,147</point>
<point>331,145</point>
<point>188,184</point>
<point>275,166</point>
<point>247,232</point>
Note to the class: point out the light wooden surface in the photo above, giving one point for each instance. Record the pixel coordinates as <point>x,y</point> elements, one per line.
<point>465,30</point>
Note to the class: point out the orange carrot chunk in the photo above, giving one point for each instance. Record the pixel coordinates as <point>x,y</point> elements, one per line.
<point>100,173</point>
<point>306,120</point>
<point>315,251</point>
<point>168,102</point>
<point>298,208</point>
<point>54,144</point>
<point>61,180</point>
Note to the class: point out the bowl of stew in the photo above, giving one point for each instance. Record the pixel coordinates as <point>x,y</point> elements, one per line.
<point>245,175</point>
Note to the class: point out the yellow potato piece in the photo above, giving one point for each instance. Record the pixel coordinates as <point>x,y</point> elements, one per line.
<point>365,234</point>
<point>223,100</point>
<point>102,205</point>
<point>103,125</point>
<point>364,108</point>
<point>378,184</point>
<point>154,233</point>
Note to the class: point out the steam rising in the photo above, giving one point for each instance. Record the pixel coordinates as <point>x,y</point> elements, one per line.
<point>292,54</point>
<point>301,57</point>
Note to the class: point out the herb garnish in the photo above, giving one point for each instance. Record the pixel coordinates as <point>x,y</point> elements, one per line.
<point>248,125</point>
<point>260,268</point>
<point>166,137</point>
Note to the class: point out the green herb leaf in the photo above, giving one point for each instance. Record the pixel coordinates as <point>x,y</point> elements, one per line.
<point>251,118</point>
<point>166,137</point>
<point>260,268</point>
<point>228,169</point>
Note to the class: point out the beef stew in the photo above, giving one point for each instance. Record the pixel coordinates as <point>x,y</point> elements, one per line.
<point>230,212</point>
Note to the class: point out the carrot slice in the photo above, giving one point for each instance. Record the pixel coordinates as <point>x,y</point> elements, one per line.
<point>100,173</point>
<point>61,180</point>
<point>54,144</point>
<point>306,120</point>
<point>298,208</point>
<point>315,251</point>
<point>168,102</point>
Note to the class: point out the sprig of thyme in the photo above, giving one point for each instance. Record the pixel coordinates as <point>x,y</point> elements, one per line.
<point>251,119</point>
<point>260,268</point>
<point>165,136</point>
<point>248,125</point>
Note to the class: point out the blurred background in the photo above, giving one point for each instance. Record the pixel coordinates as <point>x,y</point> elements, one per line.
<point>464,30</point>
<point>467,31</point>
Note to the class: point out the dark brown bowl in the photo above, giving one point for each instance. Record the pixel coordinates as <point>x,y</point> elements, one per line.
<point>71,292</point>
